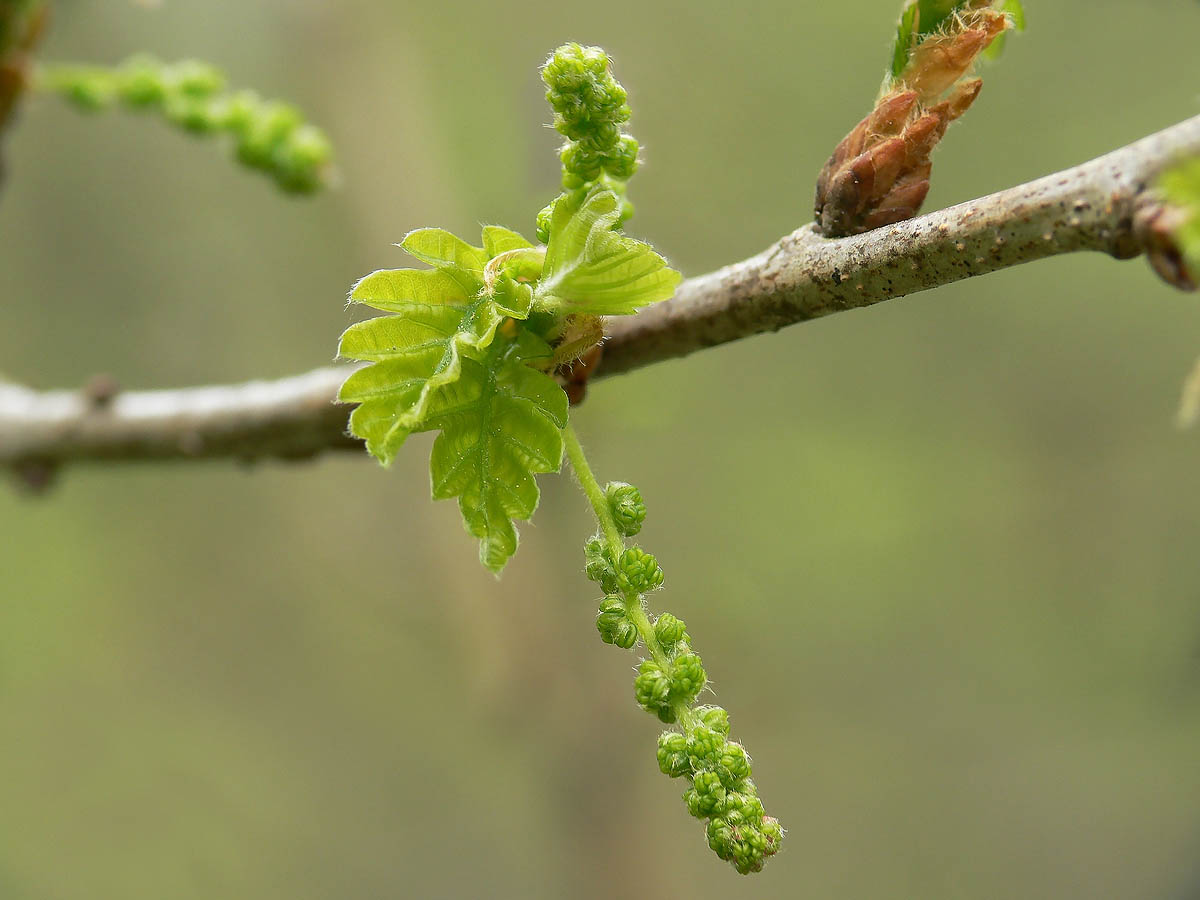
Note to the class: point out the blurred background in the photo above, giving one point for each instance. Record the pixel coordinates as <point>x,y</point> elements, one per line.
<point>940,556</point>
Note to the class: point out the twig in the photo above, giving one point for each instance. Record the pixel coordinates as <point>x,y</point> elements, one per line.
<point>801,277</point>
<point>291,418</point>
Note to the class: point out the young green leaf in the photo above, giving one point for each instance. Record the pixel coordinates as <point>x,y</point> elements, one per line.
<point>445,251</point>
<point>592,269</point>
<point>921,18</point>
<point>906,32</point>
<point>497,240</point>
<point>442,314</point>
<point>501,424</point>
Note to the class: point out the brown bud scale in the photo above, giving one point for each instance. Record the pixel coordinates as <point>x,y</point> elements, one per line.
<point>879,173</point>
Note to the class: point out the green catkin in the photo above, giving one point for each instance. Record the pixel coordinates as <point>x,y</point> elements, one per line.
<point>667,685</point>
<point>267,135</point>
<point>589,109</point>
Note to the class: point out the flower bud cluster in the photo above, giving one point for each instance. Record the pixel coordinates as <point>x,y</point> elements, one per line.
<point>721,789</point>
<point>589,109</point>
<point>665,690</point>
<point>638,572</point>
<point>614,625</point>
<point>268,135</point>
<point>598,565</point>
<point>717,769</point>
<point>627,507</point>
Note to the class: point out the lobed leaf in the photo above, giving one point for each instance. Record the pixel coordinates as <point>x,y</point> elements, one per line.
<point>441,362</point>
<point>501,423</point>
<point>497,240</point>
<point>590,268</point>
<point>441,316</point>
<point>399,290</point>
<point>445,251</point>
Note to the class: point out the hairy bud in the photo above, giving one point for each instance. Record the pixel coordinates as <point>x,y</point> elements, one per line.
<point>879,173</point>
<point>672,754</point>
<point>669,631</point>
<point>628,508</point>
<point>598,566</point>
<point>614,625</point>
<point>652,689</point>
<point>638,572</point>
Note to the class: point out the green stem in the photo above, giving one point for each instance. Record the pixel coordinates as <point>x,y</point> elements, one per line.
<point>616,544</point>
<point>593,491</point>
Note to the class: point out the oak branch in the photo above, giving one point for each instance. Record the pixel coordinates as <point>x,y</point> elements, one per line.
<point>1094,206</point>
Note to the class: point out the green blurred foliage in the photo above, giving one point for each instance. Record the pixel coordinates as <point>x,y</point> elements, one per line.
<point>943,564</point>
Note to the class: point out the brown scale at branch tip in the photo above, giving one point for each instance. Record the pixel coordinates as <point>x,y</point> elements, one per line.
<point>575,375</point>
<point>879,173</point>
<point>1155,226</point>
<point>577,353</point>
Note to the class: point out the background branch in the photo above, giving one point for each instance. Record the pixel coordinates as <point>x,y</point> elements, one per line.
<point>800,277</point>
